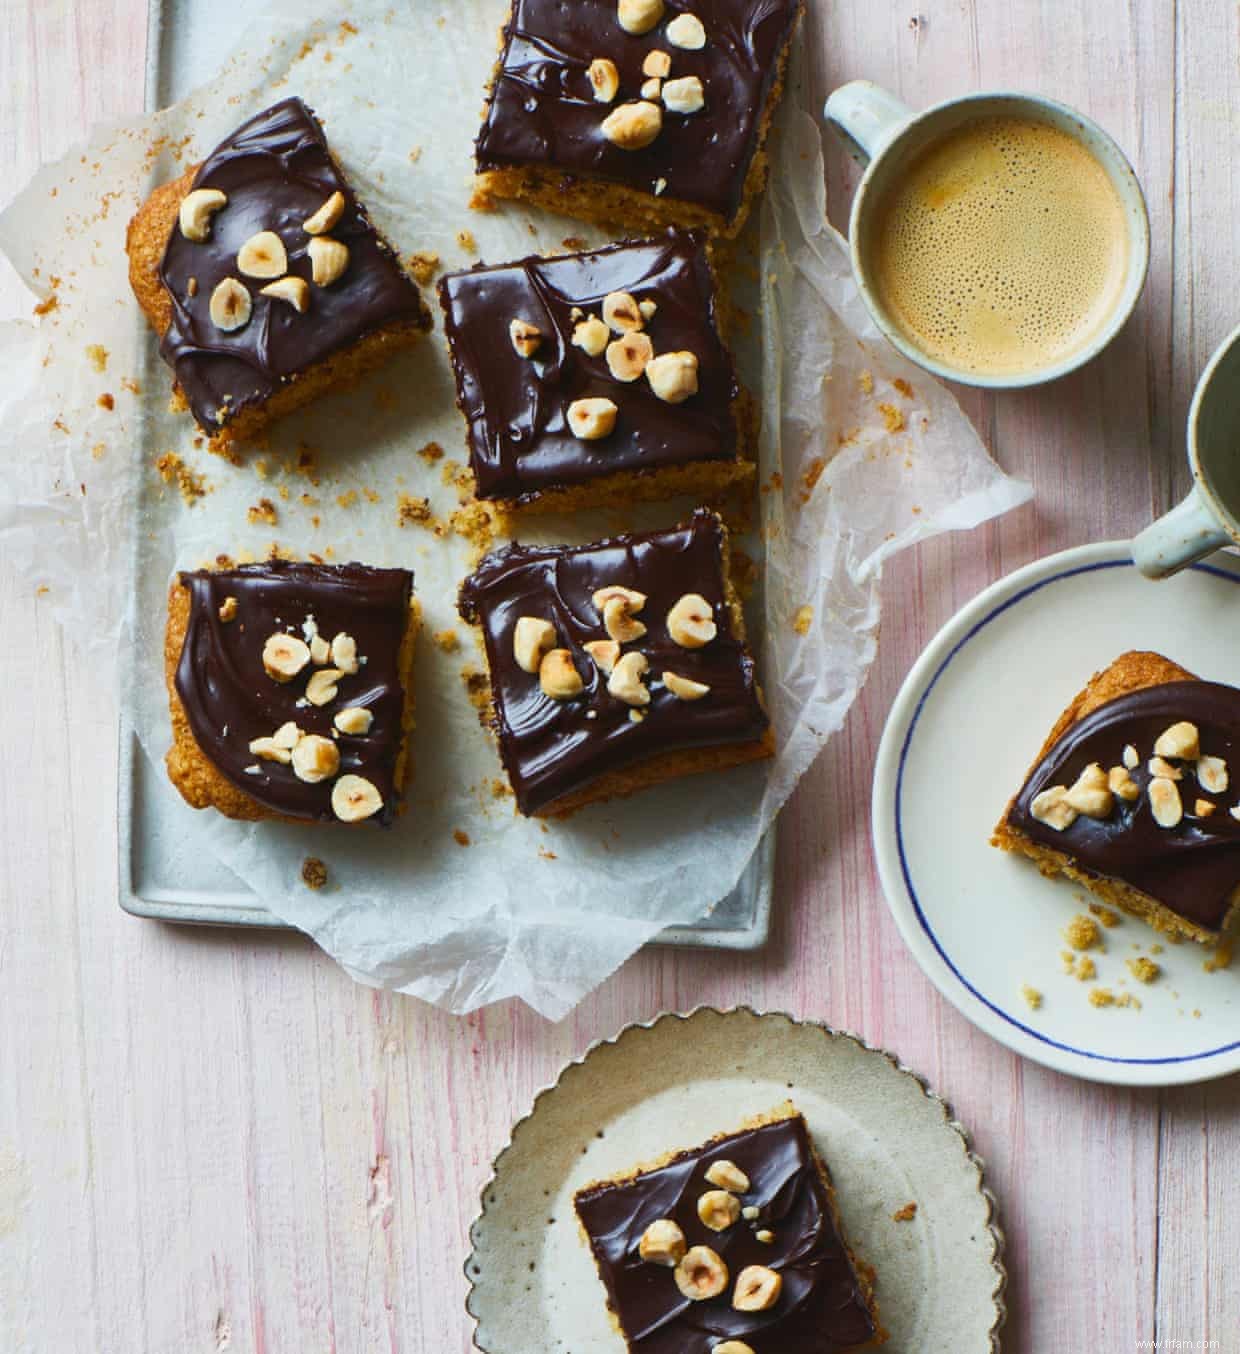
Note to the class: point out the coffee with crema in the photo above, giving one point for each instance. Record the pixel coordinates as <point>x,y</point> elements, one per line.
<point>1003,248</point>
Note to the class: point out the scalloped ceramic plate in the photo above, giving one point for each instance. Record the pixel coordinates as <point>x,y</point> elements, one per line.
<point>680,1080</point>
<point>962,733</point>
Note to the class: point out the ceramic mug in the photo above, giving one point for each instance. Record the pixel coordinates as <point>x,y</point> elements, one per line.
<point>886,136</point>
<point>1210,516</point>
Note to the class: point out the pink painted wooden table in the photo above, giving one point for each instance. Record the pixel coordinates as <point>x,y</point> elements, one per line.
<point>216,1142</point>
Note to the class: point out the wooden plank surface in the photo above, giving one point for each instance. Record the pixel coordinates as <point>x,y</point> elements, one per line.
<point>212,1142</point>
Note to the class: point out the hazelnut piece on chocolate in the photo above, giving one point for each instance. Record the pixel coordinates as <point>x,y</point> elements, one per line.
<point>1131,757</point>
<point>328,260</point>
<point>1051,807</point>
<point>604,654</point>
<point>284,656</point>
<point>639,16</point>
<point>1165,802</point>
<point>701,1274</point>
<point>197,209</point>
<point>355,798</point>
<point>1212,774</point>
<point>673,376</point>
<point>1091,794</point>
<point>757,1289</point>
<point>684,95</point>
<point>621,312</point>
<point>627,356</point>
<point>230,305</point>
<point>263,255</point>
<point>686,32</point>
<point>765,1236</point>
<point>652,88</point>
<point>355,720</point>
<point>321,689</point>
<point>1203,808</point>
<point>315,758</point>
<point>625,682</point>
<point>662,1243</point>
<point>686,689</point>
<point>558,676</point>
<point>286,736</point>
<point>657,63</point>
<point>633,126</point>
<point>1122,784</point>
<point>1158,767</point>
<point>294,290</point>
<point>691,621</point>
<point>228,609</point>
<point>618,621</point>
<point>592,419</point>
<point>630,596</point>
<point>591,335</point>
<point>604,79</point>
<point>647,308</point>
<point>732,1347</point>
<point>320,651</point>
<point>344,653</point>
<point>327,215</point>
<point>718,1209</point>
<point>270,751</point>
<point>532,637</point>
<point>1180,740</point>
<point>525,337</point>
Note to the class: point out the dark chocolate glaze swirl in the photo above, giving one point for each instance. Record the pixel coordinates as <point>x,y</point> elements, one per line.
<point>1193,868</point>
<point>276,171</point>
<point>543,109</point>
<point>516,407</point>
<point>820,1308</point>
<point>553,748</point>
<point>229,699</point>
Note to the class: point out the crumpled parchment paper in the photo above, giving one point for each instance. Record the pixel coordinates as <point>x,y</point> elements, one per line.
<point>862,455</point>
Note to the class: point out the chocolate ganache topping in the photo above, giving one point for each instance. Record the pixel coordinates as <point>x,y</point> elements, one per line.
<point>552,748</point>
<point>516,407</point>
<point>276,172</point>
<point>543,109</point>
<point>820,1309</point>
<point>1193,867</point>
<point>230,700</point>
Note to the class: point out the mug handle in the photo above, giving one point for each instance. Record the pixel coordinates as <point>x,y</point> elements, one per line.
<point>866,116</point>
<point>1188,532</point>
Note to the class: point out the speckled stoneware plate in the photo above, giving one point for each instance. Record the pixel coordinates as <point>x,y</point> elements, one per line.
<point>960,739</point>
<point>676,1082</point>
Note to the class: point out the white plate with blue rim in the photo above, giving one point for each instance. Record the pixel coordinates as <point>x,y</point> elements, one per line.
<point>984,925</point>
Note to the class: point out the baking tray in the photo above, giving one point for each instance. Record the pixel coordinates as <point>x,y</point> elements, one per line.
<point>165,872</point>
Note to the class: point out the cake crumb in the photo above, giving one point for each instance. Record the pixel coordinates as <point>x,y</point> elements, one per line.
<point>866,382</point>
<point>347,500</point>
<point>313,873</point>
<point>423,264</point>
<point>447,640</point>
<point>1220,958</point>
<point>1033,998</point>
<point>46,307</point>
<point>98,355</point>
<point>173,470</point>
<point>905,1214</point>
<point>465,238</point>
<point>129,384</point>
<point>460,837</point>
<point>474,523</point>
<point>1106,915</point>
<point>1143,970</point>
<point>1102,996</point>
<point>810,478</point>
<point>1082,933</point>
<point>412,510</point>
<point>893,418</point>
<point>431,453</point>
<point>263,512</point>
<point>1086,969</point>
<point>106,401</point>
<point>98,451</point>
<point>803,619</point>
<point>903,387</point>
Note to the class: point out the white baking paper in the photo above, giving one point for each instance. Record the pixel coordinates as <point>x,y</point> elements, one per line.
<point>462,903</point>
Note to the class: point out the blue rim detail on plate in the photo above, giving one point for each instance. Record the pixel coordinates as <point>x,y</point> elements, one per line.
<point>904,869</point>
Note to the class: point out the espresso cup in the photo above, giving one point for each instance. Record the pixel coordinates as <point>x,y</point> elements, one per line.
<point>1210,516</point>
<point>1060,236</point>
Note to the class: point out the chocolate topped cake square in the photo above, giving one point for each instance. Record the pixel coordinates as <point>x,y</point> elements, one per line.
<point>596,377</point>
<point>616,665</point>
<point>290,690</point>
<point>265,278</point>
<point>1131,796</point>
<point>637,112</point>
<point>732,1246</point>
